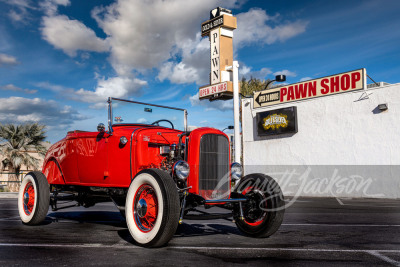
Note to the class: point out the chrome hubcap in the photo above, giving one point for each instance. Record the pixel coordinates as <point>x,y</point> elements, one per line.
<point>26,198</point>
<point>141,208</point>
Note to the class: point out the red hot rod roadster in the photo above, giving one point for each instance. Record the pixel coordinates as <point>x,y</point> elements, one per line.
<point>154,174</point>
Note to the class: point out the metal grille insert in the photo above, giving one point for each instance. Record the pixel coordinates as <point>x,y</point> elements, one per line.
<point>214,167</point>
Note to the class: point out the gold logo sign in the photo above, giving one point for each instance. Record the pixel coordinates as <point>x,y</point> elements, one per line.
<point>275,121</point>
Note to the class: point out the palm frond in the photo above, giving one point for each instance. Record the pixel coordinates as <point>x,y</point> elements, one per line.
<point>17,141</point>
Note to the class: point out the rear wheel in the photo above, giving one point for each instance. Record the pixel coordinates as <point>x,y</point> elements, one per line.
<point>33,198</point>
<point>264,210</point>
<point>152,208</point>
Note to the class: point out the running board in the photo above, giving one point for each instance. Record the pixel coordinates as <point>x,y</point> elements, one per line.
<point>231,200</point>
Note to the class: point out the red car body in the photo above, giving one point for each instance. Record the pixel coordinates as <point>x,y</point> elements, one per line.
<point>155,175</point>
<point>98,160</point>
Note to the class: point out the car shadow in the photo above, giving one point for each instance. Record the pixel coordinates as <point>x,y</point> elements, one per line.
<point>97,217</point>
<point>186,230</point>
<point>199,229</point>
<point>115,219</point>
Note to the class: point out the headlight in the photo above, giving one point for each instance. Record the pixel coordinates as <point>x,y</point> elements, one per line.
<point>236,171</point>
<point>123,140</point>
<point>181,169</point>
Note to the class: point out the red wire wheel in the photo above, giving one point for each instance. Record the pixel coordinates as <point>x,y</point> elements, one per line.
<point>29,198</point>
<point>255,211</point>
<point>264,209</point>
<point>145,208</point>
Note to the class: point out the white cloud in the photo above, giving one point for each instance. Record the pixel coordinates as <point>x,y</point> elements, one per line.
<point>119,87</point>
<point>138,41</point>
<point>288,73</point>
<point>51,87</point>
<point>244,70</point>
<point>253,28</point>
<point>144,33</point>
<point>248,73</point>
<point>171,93</point>
<point>48,112</point>
<point>12,87</point>
<point>142,40</point>
<point>305,79</point>
<point>214,105</point>
<point>71,35</point>
<point>142,120</point>
<point>19,3</point>
<point>178,73</point>
<point>194,66</point>
<point>16,16</point>
<point>19,12</point>
<point>7,60</point>
<point>50,7</point>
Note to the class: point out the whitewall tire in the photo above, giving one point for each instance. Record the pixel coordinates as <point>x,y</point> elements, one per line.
<point>33,198</point>
<point>152,208</point>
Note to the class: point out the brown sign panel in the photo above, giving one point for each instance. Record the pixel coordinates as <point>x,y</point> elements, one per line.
<point>335,84</point>
<point>225,21</point>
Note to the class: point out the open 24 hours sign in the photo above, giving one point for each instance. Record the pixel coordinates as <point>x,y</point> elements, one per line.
<point>335,84</point>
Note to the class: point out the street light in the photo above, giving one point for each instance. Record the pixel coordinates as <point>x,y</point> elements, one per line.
<point>230,127</point>
<point>278,78</point>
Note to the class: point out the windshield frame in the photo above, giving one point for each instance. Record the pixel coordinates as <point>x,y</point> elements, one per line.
<point>110,111</point>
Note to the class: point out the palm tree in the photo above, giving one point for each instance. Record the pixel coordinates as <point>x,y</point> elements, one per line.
<point>16,144</point>
<point>248,87</point>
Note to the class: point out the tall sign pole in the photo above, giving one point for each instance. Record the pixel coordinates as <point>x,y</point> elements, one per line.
<point>238,139</point>
<point>224,78</point>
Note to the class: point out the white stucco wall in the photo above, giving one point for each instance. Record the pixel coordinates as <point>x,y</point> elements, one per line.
<point>344,147</point>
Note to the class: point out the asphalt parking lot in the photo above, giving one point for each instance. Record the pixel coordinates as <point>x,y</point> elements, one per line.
<point>315,232</point>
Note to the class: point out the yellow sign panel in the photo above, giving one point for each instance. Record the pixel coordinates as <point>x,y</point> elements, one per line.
<point>335,84</point>
<point>275,121</point>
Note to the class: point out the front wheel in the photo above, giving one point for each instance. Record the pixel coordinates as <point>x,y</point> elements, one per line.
<point>152,208</point>
<point>33,198</point>
<point>264,210</point>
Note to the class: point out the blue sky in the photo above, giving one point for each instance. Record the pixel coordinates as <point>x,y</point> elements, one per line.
<point>61,59</point>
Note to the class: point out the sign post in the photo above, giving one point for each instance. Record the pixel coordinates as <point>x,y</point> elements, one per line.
<point>219,28</point>
<point>238,143</point>
<point>224,77</point>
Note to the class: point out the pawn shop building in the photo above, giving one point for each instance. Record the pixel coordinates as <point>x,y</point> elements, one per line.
<point>334,136</point>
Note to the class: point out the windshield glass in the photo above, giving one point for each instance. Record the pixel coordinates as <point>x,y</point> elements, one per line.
<point>128,112</point>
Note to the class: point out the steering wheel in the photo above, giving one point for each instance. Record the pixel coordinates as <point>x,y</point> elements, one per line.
<point>157,123</point>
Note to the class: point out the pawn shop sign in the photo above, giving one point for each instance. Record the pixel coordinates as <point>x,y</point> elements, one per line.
<point>330,85</point>
<point>220,31</point>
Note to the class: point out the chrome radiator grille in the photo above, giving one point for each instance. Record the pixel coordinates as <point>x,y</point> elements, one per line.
<point>214,167</point>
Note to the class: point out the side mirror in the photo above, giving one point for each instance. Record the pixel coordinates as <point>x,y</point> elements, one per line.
<point>101,128</point>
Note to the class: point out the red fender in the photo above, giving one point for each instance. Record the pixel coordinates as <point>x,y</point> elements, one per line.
<point>53,172</point>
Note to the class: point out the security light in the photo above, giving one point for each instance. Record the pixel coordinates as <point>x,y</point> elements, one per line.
<point>382,107</point>
<point>278,78</point>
